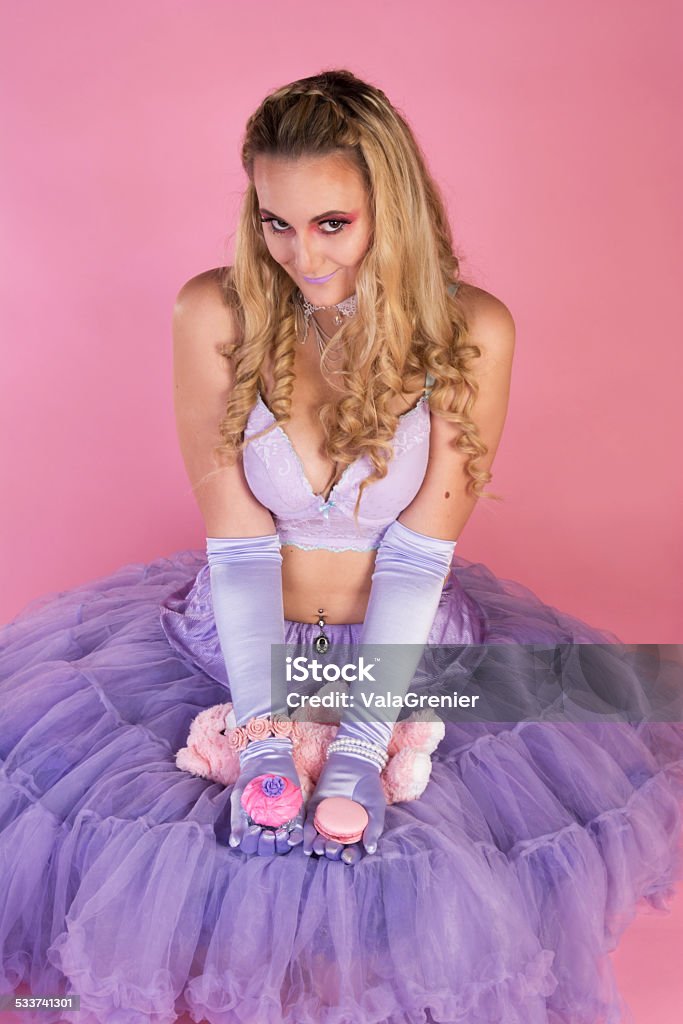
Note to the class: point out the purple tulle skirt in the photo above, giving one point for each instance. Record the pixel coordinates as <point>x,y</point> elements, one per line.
<point>494,898</point>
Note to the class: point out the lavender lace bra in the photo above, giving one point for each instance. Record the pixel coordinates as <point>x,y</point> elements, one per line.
<point>304,519</point>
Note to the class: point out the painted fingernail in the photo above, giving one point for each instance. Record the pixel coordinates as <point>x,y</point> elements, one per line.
<point>372,848</point>
<point>234,841</point>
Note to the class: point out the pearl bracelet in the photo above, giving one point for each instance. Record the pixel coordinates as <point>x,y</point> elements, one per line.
<point>370,745</point>
<point>362,748</point>
<point>366,755</point>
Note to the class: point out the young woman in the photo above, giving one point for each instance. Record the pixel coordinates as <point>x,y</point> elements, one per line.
<point>340,396</point>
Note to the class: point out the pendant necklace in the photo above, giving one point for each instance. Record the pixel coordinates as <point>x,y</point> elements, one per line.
<point>305,310</point>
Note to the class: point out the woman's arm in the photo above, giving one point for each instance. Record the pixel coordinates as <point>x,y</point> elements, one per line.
<point>242,544</point>
<point>202,382</point>
<point>442,507</point>
<point>416,552</point>
<point>243,548</point>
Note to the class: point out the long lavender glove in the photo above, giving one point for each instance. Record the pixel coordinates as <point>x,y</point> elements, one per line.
<point>246,590</point>
<point>407,583</point>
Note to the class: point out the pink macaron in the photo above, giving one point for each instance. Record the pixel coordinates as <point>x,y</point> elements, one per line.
<point>339,818</point>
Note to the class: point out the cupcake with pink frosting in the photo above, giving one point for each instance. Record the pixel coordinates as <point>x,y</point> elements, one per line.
<point>272,800</point>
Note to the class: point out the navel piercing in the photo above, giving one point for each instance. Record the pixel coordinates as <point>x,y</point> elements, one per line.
<point>322,642</point>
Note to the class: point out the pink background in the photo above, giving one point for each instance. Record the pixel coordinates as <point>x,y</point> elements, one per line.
<point>553,130</point>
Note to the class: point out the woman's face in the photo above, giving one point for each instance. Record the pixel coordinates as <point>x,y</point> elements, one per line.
<point>316,221</point>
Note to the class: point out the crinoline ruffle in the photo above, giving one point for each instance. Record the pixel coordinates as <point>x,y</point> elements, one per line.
<point>495,897</point>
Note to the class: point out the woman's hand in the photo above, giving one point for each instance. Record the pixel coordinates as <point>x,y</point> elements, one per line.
<point>357,779</point>
<point>265,757</point>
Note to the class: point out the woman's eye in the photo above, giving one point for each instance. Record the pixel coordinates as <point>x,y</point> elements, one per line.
<point>335,231</point>
<point>273,221</point>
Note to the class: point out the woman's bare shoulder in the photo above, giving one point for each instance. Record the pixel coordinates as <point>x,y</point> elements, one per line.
<point>208,282</point>
<point>490,322</point>
<point>478,300</point>
<point>203,302</point>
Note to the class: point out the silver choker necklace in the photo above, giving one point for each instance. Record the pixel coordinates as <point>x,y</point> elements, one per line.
<point>304,311</point>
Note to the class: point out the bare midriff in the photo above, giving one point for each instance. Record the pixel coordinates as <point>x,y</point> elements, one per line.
<point>336,581</point>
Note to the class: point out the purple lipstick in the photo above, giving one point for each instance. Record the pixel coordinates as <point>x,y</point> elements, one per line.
<point>318,280</point>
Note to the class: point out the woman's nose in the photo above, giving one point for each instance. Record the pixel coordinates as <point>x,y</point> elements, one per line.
<point>306,256</point>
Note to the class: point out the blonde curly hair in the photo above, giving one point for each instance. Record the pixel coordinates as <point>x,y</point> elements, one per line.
<point>407,321</point>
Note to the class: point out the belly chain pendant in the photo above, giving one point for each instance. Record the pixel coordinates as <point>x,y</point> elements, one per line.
<point>322,642</point>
